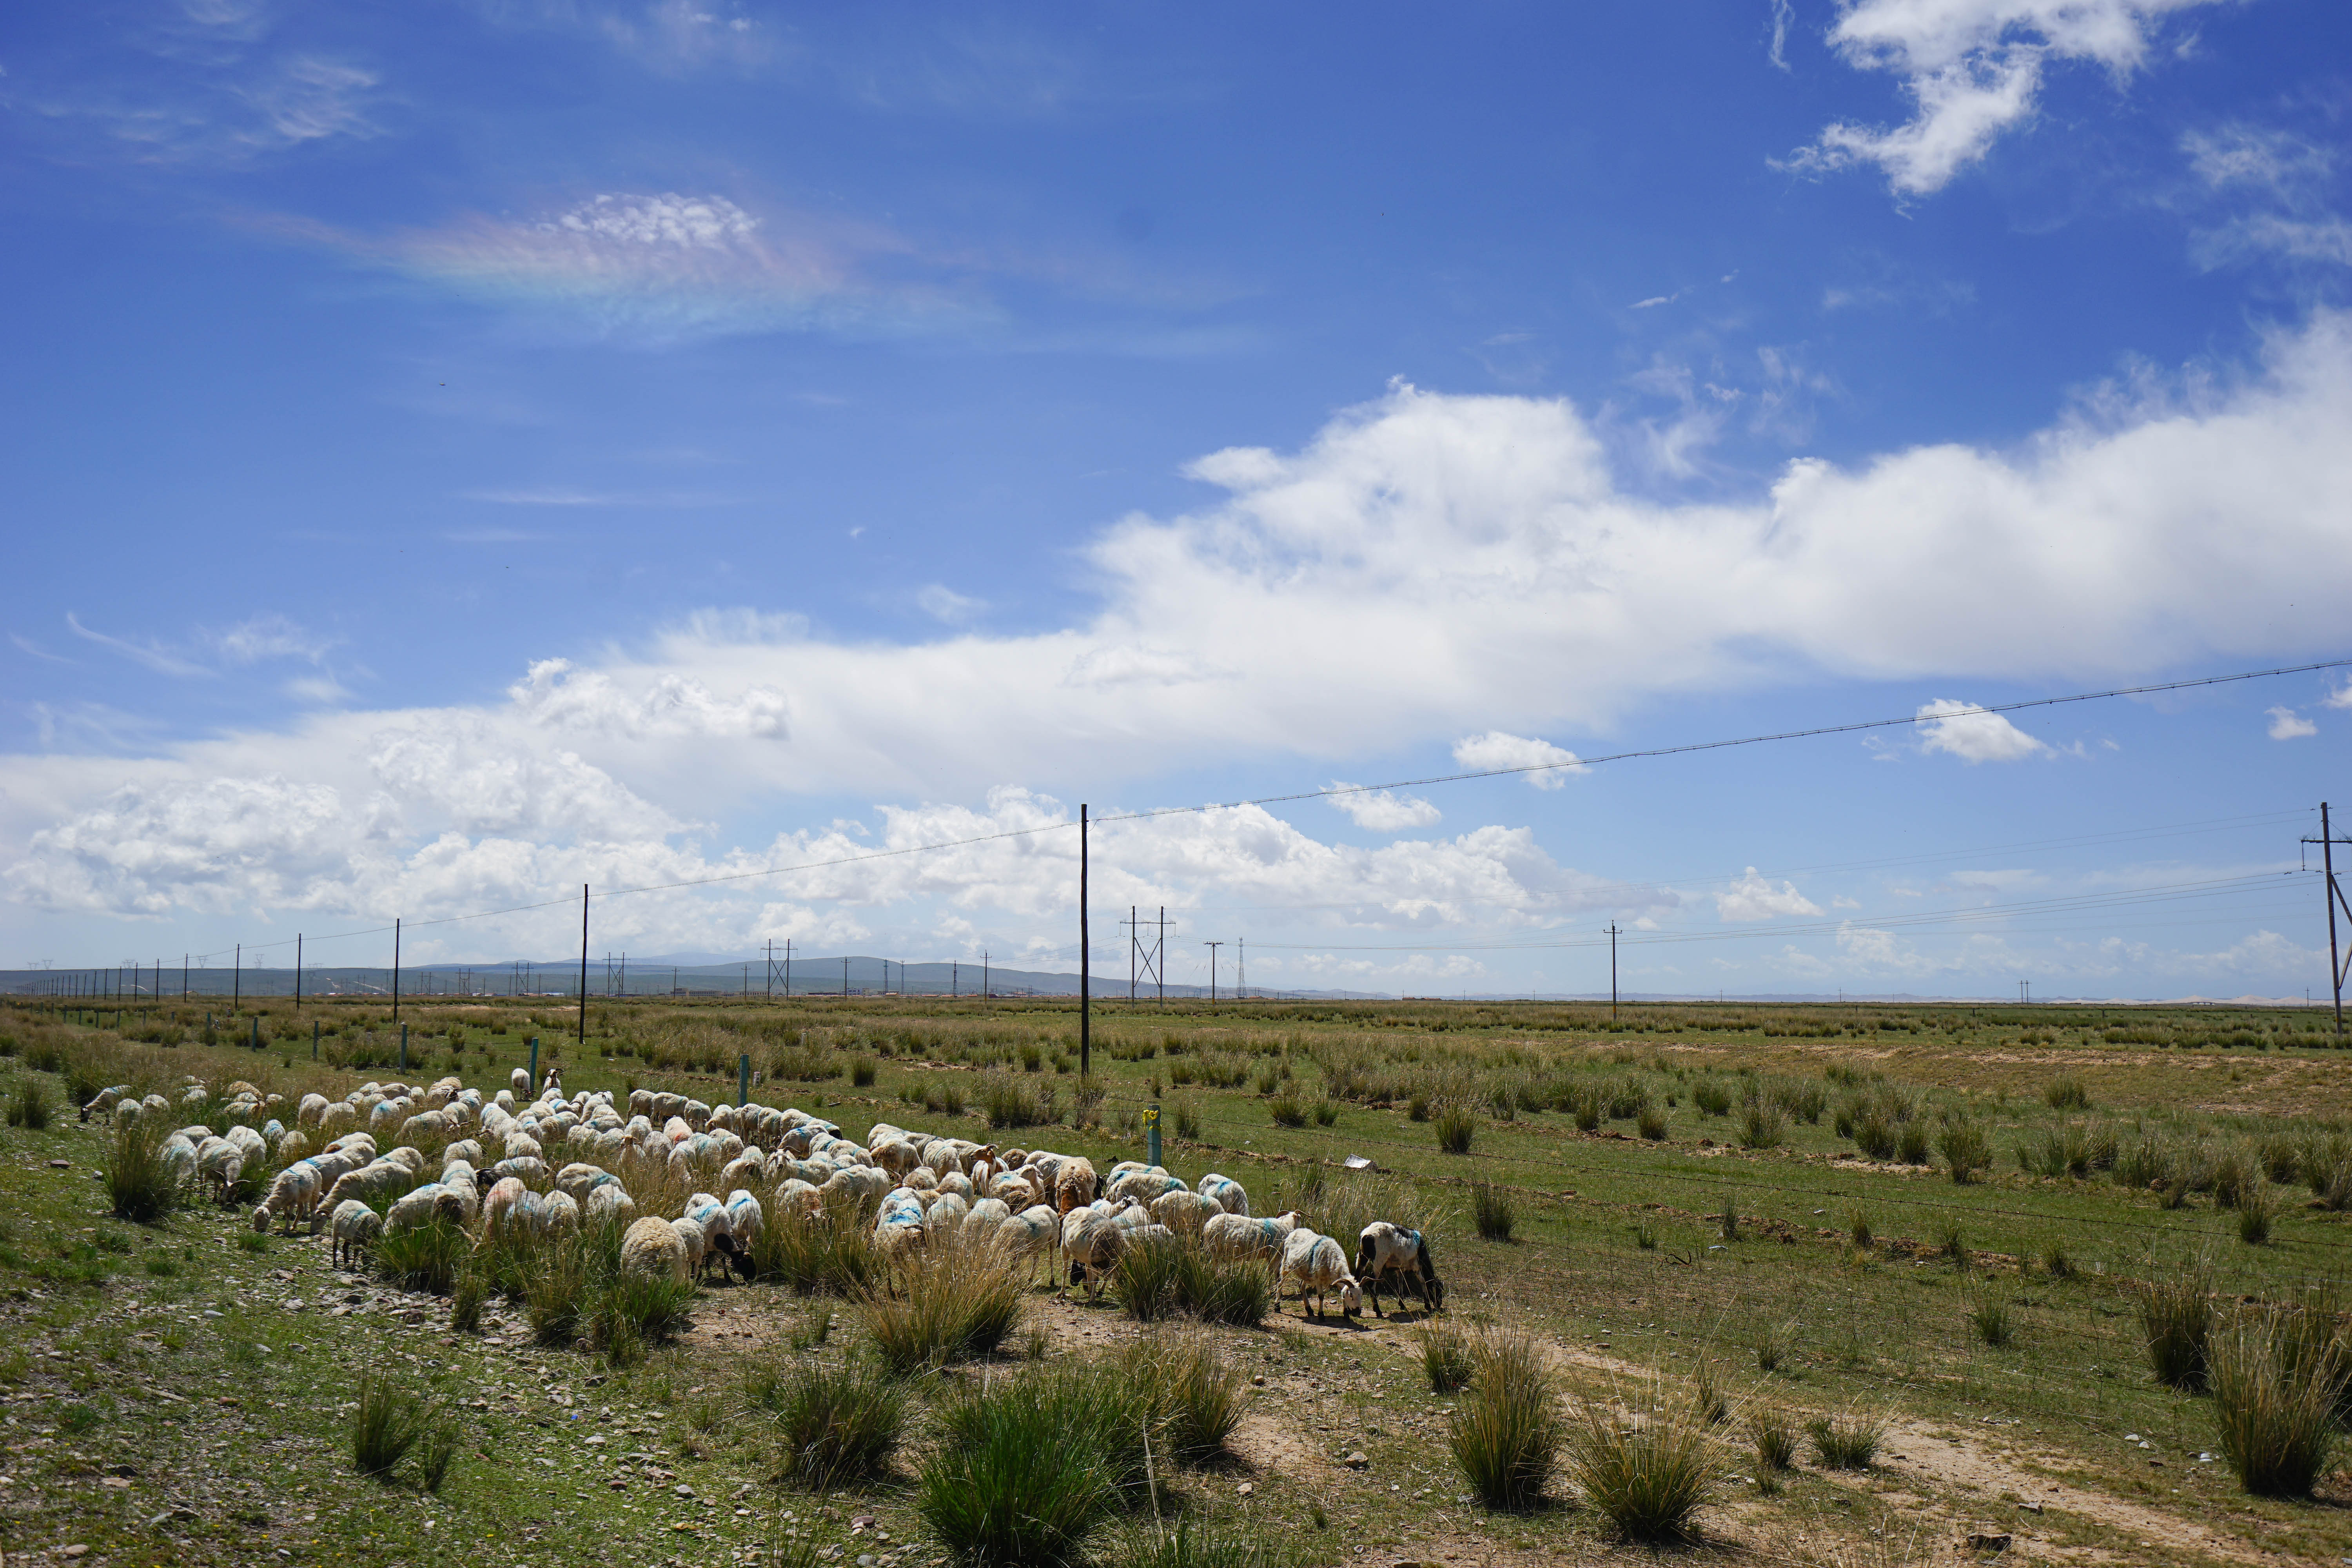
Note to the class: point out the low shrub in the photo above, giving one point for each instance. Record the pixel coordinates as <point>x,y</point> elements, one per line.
<point>1847,1441</point>
<point>1146,1276</point>
<point>1492,1212</point>
<point>1326,1112</point>
<point>831,1425</point>
<point>1185,1117</point>
<point>1647,1474</point>
<point>1911,1144</point>
<point>1504,1433</point>
<point>1857,1226</point>
<point>863,1071</point>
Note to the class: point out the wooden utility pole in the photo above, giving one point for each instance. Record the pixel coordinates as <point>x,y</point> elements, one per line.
<point>1613,972</point>
<point>1085,955</point>
<point>2336,966</point>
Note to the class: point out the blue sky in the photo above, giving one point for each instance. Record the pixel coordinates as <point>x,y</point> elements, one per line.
<point>460,451</point>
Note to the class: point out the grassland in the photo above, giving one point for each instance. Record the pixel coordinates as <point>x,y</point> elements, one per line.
<point>1681,1193</point>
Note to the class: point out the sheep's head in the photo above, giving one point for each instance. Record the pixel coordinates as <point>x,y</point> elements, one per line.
<point>1351,1300</point>
<point>261,1217</point>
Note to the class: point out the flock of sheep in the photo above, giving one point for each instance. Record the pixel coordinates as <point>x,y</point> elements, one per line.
<point>368,1178</point>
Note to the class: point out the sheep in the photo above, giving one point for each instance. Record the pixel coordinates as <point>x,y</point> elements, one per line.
<point>294,1195</point>
<point>1074,1185</point>
<point>1091,1243</point>
<point>355,1227</point>
<point>899,1223</point>
<point>498,1204</point>
<point>104,1100</point>
<point>689,1235</point>
<point>653,1247</point>
<point>1233,1236</point>
<point>607,1204</point>
<point>749,1221</point>
<point>1319,1265</point>
<point>1184,1212</point>
<point>519,1082</point>
<point>558,1211</point>
<point>1384,1250</point>
<point>946,1212</point>
<point>1031,1234</point>
<point>424,1205</point>
<point>1224,1191</point>
<point>718,1229</point>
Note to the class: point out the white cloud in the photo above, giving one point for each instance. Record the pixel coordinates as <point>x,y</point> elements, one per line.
<point>1426,567</point>
<point>1947,725</point>
<point>2339,697</point>
<point>2279,183</point>
<point>1783,13</point>
<point>1972,69</point>
<point>944,604</point>
<point>2287,724</point>
<point>270,636</point>
<point>1755,898</point>
<point>1383,811</point>
<point>155,657</point>
<point>1495,751</point>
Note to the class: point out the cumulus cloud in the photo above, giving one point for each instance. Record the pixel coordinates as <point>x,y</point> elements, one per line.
<point>1427,567</point>
<point>1383,811</point>
<point>1972,69</point>
<point>2287,724</point>
<point>1947,725</point>
<point>1755,898</point>
<point>1496,751</point>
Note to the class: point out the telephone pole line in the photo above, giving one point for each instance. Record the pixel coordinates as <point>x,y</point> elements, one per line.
<point>2336,966</point>
<point>1613,972</point>
<point>1213,947</point>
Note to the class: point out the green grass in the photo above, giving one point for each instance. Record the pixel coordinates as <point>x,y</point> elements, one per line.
<point>28,1105</point>
<point>391,1417</point>
<point>2276,1419</point>
<point>1775,1436</point>
<point>953,1301</point>
<point>1647,1472</point>
<point>1197,1395</point>
<point>2176,1322</point>
<point>1492,1211</point>
<point>1025,1471</point>
<point>1455,1126</point>
<point>1847,1440</point>
<point>1506,1431</point>
<point>831,1426</point>
<point>139,1185</point>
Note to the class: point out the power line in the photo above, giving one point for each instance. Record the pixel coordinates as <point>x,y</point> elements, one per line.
<point>1427,782</point>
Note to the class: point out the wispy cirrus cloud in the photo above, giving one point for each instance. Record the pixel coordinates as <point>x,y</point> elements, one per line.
<point>672,266</point>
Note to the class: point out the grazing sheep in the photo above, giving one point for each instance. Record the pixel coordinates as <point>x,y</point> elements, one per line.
<point>1143,1185</point>
<point>946,1212</point>
<point>424,1205</point>
<point>1091,1243</point>
<point>1384,1249</point>
<point>104,1100</point>
<point>294,1195</point>
<point>499,1204</point>
<point>1231,1236</point>
<point>559,1212</point>
<point>1031,1234</point>
<point>1074,1185</point>
<point>519,1082</point>
<point>607,1204</point>
<point>689,1235</point>
<point>222,1163</point>
<point>718,1230</point>
<point>355,1226</point>
<point>654,1248</point>
<point>1184,1212</point>
<point>1318,1265</point>
<point>985,1217</point>
<point>899,1223</point>
<point>1224,1191</point>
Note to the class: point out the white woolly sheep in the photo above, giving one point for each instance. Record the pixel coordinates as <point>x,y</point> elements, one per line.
<point>422,1206</point>
<point>355,1225</point>
<point>653,1247</point>
<point>1233,1236</point>
<point>1184,1212</point>
<point>1318,1265</point>
<point>1075,1184</point>
<point>607,1203</point>
<point>293,1195</point>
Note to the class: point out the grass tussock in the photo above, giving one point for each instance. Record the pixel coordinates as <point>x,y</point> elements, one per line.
<point>2175,1324</point>
<point>1455,1126</point>
<point>2065,1092</point>
<point>28,1106</point>
<point>1775,1435</point>
<point>1447,1355</point>
<point>1506,1431</point>
<point>831,1426</point>
<point>1647,1473</point>
<point>1197,1396</point>
<point>2277,1389</point>
<point>1025,1469</point>
<point>954,1301</point>
<point>1967,1150</point>
<point>1009,1099</point>
<point>1492,1212</point>
<point>575,1292</point>
<point>1175,1276</point>
<point>140,1183</point>
<point>1194,1541</point>
<point>831,1252</point>
<point>392,1417</point>
<point>1848,1440</point>
<point>426,1258</point>
<point>1990,1321</point>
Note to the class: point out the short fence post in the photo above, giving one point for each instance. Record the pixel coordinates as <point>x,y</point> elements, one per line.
<point>534,1066</point>
<point>1151,1133</point>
